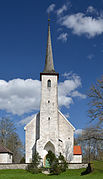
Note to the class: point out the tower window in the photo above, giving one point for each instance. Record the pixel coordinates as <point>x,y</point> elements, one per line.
<point>49,83</point>
<point>48,101</point>
<point>49,118</point>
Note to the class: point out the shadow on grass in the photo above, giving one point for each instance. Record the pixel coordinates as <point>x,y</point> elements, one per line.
<point>88,170</point>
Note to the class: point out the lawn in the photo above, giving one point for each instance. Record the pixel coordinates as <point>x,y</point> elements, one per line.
<point>72,174</point>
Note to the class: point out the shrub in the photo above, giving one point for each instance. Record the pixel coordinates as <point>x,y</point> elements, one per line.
<point>88,170</point>
<point>57,165</point>
<point>55,168</point>
<point>51,157</point>
<point>62,163</point>
<point>22,160</point>
<point>34,166</point>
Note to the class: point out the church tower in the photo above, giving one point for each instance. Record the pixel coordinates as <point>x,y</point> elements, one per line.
<point>49,129</point>
<point>49,103</point>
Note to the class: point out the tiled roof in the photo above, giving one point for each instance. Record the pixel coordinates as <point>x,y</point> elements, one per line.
<point>4,150</point>
<point>77,150</point>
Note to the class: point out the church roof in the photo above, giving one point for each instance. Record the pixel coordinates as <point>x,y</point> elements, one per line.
<point>77,150</point>
<point>49,66</point>
<point>66,119</point>
<point>4,150</point>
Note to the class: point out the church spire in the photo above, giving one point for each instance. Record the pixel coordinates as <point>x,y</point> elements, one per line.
<point>49,66</point>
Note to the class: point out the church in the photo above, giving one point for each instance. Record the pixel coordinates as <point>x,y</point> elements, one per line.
<point>50,129</point>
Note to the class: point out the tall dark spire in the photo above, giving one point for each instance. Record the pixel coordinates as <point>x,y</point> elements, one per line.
<point>49,66</point>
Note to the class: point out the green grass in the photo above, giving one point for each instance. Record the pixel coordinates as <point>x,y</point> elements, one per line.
<point>72,174</point>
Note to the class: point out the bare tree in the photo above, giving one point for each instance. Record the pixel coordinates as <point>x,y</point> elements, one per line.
<point>6,129</point>
<point>10,139</point>
<point>91,141</point>
<point>96,101</point>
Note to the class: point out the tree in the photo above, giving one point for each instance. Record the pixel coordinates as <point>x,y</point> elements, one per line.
<point>51,157</point>
<point>91,141</point>
<point>10,139</point>
<point>34,167</point>
<point>15,145</point>
<point>6,129</point>
<point>96,101</point>
<point>57,164</point>
<point>95,136</point>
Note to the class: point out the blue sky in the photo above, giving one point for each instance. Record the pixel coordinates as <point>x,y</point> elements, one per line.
<point>77,41</point>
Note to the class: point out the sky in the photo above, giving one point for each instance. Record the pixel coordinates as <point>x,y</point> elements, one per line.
<point>77,42</point>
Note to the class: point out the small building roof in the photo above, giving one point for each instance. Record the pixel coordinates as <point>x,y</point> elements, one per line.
<point>77,150</point>
<point>4,150</point>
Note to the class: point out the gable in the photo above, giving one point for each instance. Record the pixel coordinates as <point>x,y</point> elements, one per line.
<point>65,119</point>
<point>36,116</point>
<point>5,150</point>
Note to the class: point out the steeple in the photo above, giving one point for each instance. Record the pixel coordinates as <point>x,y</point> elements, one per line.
<point>49,66</point>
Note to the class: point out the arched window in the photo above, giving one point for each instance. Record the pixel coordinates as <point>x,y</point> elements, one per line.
<point>49,83</point>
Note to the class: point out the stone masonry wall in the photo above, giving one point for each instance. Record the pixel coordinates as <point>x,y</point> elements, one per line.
<point>66,137</point>
<point>48,114</point>
<point>23,166</point>
<point>30,135</point>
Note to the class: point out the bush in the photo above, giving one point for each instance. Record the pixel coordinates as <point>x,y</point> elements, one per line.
<point>55,168</point>
<point>35,170</point>
<point>50,157</point>
<point>62,163</point>
<point>88,170</point>
<point>22,160</point>
<point>34,166</point>
<point>57,165</point>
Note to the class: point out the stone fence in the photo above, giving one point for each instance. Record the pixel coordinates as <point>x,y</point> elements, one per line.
<point>77,165</point>
<point>13,166</point>
<point>23,166</point>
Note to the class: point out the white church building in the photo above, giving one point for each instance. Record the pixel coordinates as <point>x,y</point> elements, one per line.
<point>49,129</point>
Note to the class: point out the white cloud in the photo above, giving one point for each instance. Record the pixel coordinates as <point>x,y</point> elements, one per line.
<point>50,8</point>
<point>26,120</point>
<point>82,24</point>
<point>92,10</point>
<point>90,56</point>
<point>78,131</point>
<point>62,9</point>
<point>68,89</point>
<point>63,37</point>
<point>78,94</point>
<point>20,96</point>
<point>69,75</point>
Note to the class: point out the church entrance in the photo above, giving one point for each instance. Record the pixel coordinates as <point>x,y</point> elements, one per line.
<point>48,146</point>
<point>47,164</point>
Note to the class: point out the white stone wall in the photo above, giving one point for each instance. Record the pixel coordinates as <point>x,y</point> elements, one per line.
<point>24,166</point>
<point>54,127</point>
<point>77,165</point>
<point>13,166</point>
<point>5,158</point>
<point>48,114</point>
<point>66,137</point>
<point>77,159</point>
<point>30,134</point>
